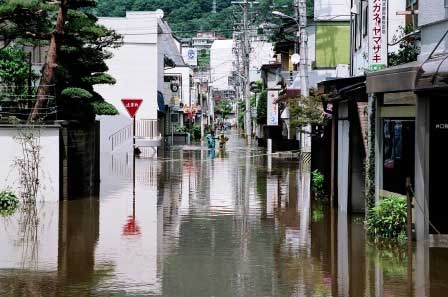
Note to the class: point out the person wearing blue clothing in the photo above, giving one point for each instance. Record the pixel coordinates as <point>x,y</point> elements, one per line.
<point>211,143</point>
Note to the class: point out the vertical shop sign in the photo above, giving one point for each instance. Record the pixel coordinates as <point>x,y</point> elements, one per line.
<point>272,115</point>
<point>378,34</point>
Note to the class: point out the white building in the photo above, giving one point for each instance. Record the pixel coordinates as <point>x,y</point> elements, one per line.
<point>138,66</point>
<point>262,52</point>
<point>221,64</point>
<point>360,33</point>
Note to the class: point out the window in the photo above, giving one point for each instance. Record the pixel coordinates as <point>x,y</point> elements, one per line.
<point>332,44</point>
<point>365,18</point>
<point>359,25</point>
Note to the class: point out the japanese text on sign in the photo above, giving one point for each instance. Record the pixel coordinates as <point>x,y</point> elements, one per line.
<point>132,105</point>
<point>272,114</point>
<point>378,34</point>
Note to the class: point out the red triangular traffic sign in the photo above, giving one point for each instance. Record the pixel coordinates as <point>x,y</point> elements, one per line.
<point>132,105</point>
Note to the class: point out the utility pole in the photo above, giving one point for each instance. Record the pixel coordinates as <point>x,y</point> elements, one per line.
<point>202,107</point>
<point>245,39</point>
<point>214,6</point>
<point>237,77</point>
<point>303,37</point>
<point>246,58</point>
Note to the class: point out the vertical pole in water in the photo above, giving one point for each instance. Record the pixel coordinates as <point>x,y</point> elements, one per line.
<point>133,157</point>
<point>409,208</point>
<point>409,231</point>
<point>269,146</point>
<point>269,155</point>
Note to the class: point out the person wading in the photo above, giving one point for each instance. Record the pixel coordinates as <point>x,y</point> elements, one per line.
<point>211,143</point>
<point>222,140</point>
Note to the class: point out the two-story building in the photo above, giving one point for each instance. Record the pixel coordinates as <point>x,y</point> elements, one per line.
<point>376,27</point>
<point>138,65</point>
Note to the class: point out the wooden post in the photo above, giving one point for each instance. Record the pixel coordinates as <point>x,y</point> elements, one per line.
<point>409,231</point>
<point>409,208</point>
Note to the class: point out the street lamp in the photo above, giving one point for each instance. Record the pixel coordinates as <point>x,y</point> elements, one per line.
<point>282,15</point>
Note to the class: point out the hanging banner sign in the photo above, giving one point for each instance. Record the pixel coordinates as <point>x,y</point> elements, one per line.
<point>132,106</point>
<point>190,56</point>
<point>272,115</point>
<point>377,34</point>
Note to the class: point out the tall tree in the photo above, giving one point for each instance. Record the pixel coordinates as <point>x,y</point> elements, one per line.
<point>77,48</point>
<point>51,63</point>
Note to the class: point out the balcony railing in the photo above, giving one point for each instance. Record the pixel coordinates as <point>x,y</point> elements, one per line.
<point>144,129</point>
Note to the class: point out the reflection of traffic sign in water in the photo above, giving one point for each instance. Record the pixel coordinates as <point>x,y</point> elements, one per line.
<point>131,227</point>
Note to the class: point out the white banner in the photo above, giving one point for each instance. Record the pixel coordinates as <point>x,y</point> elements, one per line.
<point>377,34</point>
<point>190,56</point>
<point>272,115</point>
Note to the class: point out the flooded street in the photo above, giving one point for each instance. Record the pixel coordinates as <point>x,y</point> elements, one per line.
<point>229,223</point>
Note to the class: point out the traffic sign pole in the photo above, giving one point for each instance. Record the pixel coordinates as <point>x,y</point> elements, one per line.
<point>132,106</point>
<point>133,159</point>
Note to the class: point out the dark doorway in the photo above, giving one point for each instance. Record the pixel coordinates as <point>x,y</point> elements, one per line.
<point>438,164</point>
<point>398,154</point>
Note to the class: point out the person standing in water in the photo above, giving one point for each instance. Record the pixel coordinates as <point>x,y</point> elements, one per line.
<point>211,143</point>
<point>222,140</point>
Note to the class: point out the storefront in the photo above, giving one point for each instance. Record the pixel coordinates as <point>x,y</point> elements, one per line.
<point>346,100</point>
<point>411,103</point>
<point>432,140</point>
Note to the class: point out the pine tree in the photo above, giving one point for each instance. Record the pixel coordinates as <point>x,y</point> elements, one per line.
<point>76,52</point>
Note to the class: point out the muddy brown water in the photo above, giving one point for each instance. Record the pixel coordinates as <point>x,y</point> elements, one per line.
<point>228,223</point>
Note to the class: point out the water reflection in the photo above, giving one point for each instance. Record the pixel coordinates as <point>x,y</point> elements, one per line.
<point>237,224</point>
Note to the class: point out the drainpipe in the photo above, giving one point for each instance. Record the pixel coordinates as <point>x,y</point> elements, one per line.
<point>351,43</point>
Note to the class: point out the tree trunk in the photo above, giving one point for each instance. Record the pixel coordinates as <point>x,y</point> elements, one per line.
<point>46,87</point>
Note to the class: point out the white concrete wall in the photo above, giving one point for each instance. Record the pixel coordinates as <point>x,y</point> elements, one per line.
<point>133,66</point>
<point>138,67</point>
<point>430,11</point>
<point>433,19</point>
<point>334,10</point>
<point>395,21</point>
<point>221,63</point>
<point>262,53</point>
<point>21,252</point>
<point>49,163</point>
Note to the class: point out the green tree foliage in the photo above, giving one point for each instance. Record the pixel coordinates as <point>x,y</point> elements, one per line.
<point>224,108</point>
<point>8,203</point>
<point>388,218</point>
<point>262,108</point>
<point>409,49</point>
<point>186,17</point>
<point>82,66</point>
<point>306,111</point>
<point>15,71</point>
<point>81,50</point>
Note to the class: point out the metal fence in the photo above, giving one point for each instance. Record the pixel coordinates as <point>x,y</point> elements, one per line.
<point>144,129</point>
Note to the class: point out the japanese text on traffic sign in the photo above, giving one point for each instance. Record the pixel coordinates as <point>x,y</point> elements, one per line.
<point>132,106</point>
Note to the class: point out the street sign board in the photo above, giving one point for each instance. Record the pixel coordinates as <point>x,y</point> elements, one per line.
<point>272,116</point>
<point>378,34</point>
<point>190,56</point>
<point>132,106</point>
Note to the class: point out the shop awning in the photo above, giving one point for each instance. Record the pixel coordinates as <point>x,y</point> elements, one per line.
<point>400,78</point>
<point>290,94</point>
<point>342,89</point>
<point>433,74</point>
